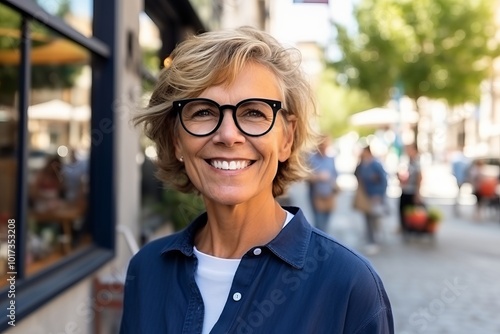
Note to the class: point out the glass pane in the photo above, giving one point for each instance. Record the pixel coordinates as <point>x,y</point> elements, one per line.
<point>9,80</point>
<point>209,11</point>
<point>150,43</point>
<point>59,142</point>
<point>76,13</point>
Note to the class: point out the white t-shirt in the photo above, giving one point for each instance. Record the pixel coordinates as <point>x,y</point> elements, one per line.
<point>214,277</point>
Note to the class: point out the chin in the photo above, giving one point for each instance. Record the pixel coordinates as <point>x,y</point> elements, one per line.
<point>229,200</point>
<point>228,197</point>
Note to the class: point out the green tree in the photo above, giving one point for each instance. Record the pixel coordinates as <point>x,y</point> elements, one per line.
<point>336,104</point>
<point>441,49</point>
<point>151,63</point>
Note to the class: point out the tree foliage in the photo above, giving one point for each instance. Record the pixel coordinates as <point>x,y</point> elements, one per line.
<point>336,104</point>
<point>440,49</point>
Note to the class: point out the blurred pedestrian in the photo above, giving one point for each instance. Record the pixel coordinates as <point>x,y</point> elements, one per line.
<point>46,195</point>
<point>323,184</point>
<point>75,175</point>
<point>410,180</point>
<point>48,188</point>
<point>372,180</point>
<point>459,168</point>
<point>483,187</point>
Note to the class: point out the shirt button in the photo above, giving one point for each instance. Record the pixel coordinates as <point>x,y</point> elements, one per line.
<point>236,296</point>
<point>257,251</point>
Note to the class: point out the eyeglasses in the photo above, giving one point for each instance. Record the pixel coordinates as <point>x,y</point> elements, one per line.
<point>201,117</point>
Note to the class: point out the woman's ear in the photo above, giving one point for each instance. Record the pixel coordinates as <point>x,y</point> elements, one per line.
<point>288,135</point>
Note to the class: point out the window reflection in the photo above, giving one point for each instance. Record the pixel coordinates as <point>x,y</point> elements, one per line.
<point>9,78</point>
<point>76,13</point>
<point>59,143</point>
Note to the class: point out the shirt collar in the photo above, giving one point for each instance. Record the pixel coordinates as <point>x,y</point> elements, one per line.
<point>290,245</point>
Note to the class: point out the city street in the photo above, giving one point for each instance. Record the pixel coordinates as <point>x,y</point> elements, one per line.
<point>446,284</point>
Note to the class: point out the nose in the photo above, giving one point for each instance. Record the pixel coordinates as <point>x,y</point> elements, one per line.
<point>228,133</point>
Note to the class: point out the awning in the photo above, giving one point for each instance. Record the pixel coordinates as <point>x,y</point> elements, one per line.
<point>58,51</point>
<point>59,111</point>
<point>376,117</point>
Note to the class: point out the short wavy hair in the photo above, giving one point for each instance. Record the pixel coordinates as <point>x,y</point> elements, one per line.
<point>215,58</point>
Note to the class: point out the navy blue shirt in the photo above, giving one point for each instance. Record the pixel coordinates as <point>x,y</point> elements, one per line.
<point>303,281</point>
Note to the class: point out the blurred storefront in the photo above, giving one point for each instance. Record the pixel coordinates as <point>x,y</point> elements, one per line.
<point>475,129</point>
<point>70,74</point>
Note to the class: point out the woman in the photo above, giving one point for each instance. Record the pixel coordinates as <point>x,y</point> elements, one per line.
<point>47,190</point>
<point>372,178</point>
<point>229,116</point>
<point>410,180</point>
<point>322,184</point>
<point>478,180</point>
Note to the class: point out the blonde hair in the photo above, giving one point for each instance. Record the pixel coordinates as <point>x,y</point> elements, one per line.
<point>215,58</point>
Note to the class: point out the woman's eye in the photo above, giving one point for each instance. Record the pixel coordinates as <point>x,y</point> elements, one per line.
<point>255,113</point>
<point>201,113</point>
<point>205,112</point>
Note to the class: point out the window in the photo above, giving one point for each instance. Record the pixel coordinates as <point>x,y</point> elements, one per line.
<point>76,13</point>
<point>9,78</point>
<point>58,140</point>
<point>56,97</point>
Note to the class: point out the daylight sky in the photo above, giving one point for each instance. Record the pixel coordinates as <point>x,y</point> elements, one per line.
<point>292,22</point>
<point>308,22</point>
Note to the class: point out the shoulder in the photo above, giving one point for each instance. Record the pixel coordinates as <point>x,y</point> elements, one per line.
<point>348,276</point>
<point>353,268</point>
<point>377,164</point>
<point>153,250</point>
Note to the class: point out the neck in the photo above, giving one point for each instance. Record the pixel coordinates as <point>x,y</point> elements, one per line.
<point>232,230</point>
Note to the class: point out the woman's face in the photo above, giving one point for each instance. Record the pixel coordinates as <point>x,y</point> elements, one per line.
<point>228,167</point>
<point>411,151</point>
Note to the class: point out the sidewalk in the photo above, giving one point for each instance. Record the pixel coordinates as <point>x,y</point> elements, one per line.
<point>447,285</point>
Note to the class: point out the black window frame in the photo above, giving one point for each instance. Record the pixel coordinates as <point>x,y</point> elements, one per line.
<point>36,290</point>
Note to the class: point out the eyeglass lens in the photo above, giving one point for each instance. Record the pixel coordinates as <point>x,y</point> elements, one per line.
<point>252,117</point>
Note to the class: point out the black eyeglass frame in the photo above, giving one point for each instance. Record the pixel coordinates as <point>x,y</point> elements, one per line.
<point>178,106</point>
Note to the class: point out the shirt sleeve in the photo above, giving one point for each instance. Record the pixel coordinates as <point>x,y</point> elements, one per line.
<point>380,323</point>
<point>383,175</point>
<point>334,169</point>
<point>369,309</point>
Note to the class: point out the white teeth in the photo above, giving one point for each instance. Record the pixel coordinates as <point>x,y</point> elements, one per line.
<point>232,165</point>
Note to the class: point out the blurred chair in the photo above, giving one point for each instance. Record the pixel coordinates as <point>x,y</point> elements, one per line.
<point>108,292</point>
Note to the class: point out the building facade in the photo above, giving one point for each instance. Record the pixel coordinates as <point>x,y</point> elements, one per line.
<point>475,129</point>
<point>70,74</point>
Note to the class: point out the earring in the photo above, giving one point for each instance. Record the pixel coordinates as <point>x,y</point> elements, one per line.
<point>181,159</point>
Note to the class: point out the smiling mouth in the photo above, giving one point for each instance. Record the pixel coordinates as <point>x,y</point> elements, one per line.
<point>230,165</point>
